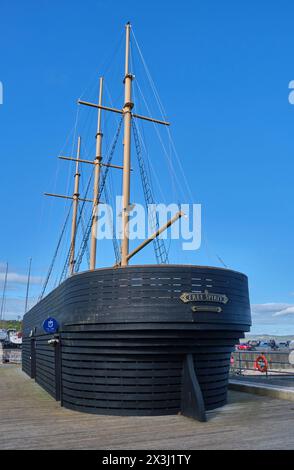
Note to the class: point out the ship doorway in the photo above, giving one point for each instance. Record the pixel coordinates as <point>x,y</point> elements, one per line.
<point>57,359</point>
<point>33,358</point>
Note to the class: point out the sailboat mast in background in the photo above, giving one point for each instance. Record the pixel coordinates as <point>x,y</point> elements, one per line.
<point>28,286</point>
<point>3,295</point>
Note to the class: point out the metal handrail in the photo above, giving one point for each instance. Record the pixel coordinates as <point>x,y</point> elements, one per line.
<point>242,362</point>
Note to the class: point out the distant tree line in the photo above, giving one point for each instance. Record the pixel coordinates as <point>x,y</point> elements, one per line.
<point>11,324</point>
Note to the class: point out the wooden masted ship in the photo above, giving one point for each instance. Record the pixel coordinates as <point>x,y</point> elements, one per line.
<point>135,339</point>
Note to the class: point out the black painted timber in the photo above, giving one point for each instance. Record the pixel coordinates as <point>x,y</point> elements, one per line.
<point>125,335</point>
<point>192,404</point>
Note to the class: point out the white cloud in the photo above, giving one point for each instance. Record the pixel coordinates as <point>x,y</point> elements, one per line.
<point>270,307</point>
<point>285,311</point>
<point>14,307</point>
<point>272,318</point>
<point>17,278</point>
<point>14,302</point>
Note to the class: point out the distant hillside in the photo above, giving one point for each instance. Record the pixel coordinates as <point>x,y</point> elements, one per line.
<point>267,337</point>
<point>11,324</point>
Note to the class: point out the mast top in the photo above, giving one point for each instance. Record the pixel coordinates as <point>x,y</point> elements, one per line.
<point>126,111</point>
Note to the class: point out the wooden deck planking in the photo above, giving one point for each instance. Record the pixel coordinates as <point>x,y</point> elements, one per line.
<point>31,419</point>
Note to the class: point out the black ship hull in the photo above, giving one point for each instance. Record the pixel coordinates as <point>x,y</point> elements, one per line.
<point>139,340</point>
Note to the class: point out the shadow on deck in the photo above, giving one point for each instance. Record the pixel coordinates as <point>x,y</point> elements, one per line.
<point>31,419</point>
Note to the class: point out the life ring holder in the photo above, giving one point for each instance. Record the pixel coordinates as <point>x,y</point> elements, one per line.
<point>261,363</point>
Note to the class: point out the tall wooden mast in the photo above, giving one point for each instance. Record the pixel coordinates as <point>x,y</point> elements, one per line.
<point>97,163</point>
<point>127,113</point>
<point>75,211</point>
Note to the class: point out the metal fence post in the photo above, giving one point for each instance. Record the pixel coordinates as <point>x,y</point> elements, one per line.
<point>240,363</point>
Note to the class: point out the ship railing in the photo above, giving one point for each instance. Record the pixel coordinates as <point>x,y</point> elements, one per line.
<point>277,363</point>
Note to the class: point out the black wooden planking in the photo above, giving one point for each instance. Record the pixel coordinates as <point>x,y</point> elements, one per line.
<point>124,335</point>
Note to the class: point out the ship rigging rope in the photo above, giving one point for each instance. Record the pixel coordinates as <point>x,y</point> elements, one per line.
<point>66,263</point>
<point>111,220</point>
<point>90,222</point>
<point>86,130</point>
<point>55,253</point>
<point>151,170</point>
<point>84,232</point>
<point>172,171</point>
<point>158,243</point>
<point>72,152</point>
<point>81,209</point>
<point>74,132</point>
<point>105,67</point>
<point>171,141</point>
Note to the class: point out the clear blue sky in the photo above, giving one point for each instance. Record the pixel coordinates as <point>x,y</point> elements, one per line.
<point>222,70</point>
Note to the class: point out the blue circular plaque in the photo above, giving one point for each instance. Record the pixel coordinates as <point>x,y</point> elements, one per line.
<point>50,325</point>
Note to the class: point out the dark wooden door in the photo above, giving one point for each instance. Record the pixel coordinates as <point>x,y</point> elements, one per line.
<point>33,358</point>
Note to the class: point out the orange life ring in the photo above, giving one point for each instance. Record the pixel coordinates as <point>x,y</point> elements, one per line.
<point>261,363</point>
